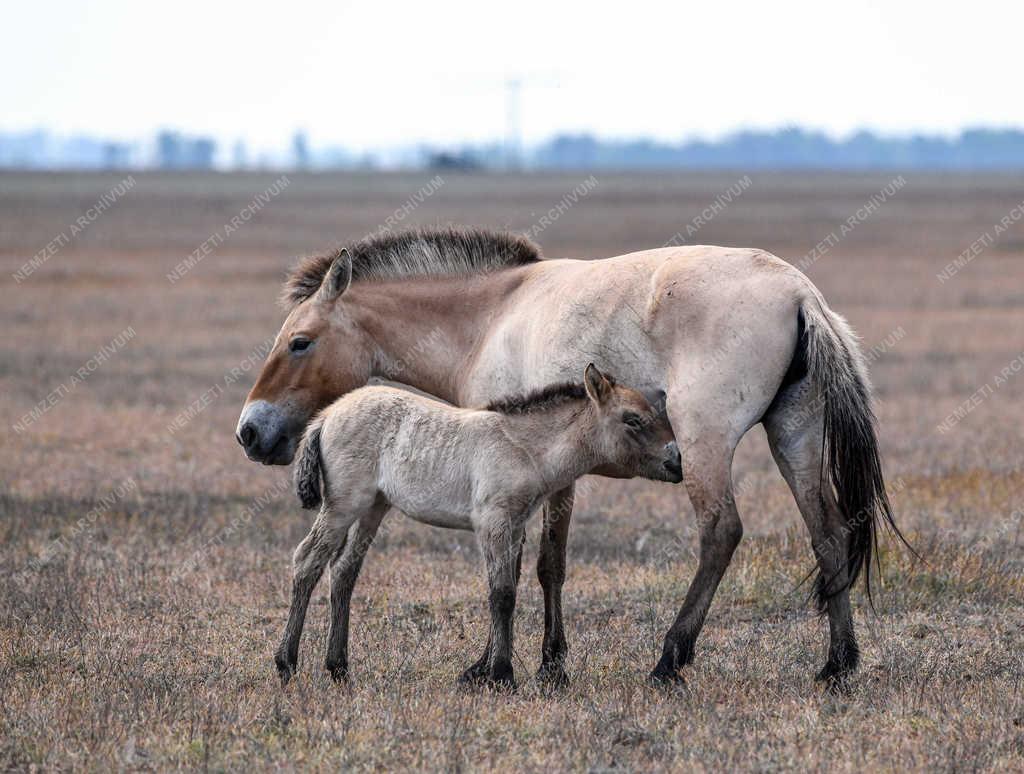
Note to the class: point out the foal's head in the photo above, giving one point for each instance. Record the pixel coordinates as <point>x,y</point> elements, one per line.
<point>632,431</point>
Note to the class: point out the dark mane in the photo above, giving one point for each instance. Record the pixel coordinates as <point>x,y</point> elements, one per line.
<point>415,253</point>
<point>539,400</point>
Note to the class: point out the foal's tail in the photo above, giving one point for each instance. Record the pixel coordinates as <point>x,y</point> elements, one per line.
<point>850,456</point>
<point>308,467</point>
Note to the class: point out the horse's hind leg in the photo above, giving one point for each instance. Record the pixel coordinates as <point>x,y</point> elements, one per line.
<point>707,463</point>
<point>795,428</point>
<point>308,562</point>
<point>345,566</point>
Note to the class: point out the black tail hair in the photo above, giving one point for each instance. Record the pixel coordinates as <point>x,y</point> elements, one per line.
<point>308,468</point>
<point>850,456</point>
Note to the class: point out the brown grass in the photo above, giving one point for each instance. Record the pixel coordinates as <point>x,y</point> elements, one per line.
<point>119,651</point>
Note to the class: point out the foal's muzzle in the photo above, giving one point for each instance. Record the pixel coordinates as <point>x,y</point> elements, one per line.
<point>673,463</point>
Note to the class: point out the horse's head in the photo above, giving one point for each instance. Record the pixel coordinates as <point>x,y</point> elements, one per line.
<point>633,433</point>
<point>319,355</point>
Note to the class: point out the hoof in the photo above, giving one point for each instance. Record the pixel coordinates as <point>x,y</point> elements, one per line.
<point>502,675</point>
<point>475,676</point>
<point>500,678</point>
<point>338,672</point>
<point>835,677</point>
<point>665,678</point>
<point>285,668</point>
<point>668,672</point>
<point>553,677</point>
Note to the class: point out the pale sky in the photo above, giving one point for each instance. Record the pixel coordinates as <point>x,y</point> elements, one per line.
<point>380,74</point>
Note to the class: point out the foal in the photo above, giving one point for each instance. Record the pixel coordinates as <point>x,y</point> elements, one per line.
<point>481,470</point>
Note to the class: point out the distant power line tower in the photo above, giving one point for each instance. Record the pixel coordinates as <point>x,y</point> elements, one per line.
<point>514,85</point>
<point>300,150</point>
<point>240,155</point>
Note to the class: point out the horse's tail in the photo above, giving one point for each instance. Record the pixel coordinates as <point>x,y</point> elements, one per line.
<point>308,467</point>
<point>850,457</point>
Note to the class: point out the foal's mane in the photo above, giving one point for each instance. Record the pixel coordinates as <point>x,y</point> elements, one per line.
<point>414,253</point>
<point>545,398</point>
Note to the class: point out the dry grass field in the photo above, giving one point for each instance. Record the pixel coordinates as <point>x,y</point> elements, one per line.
<point>145,568</point>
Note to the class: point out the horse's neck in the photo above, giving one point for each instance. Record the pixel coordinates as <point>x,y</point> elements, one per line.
<point>556,440</point>
<point>425,330</point>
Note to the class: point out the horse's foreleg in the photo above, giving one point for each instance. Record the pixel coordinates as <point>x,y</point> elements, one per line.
<point>551,573</point>
<point>707,475</point>
<point>345,568</point>
<point>308,563</point>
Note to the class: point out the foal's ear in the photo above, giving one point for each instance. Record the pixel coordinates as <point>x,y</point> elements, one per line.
<point>338,277</point>
<point>598,387</point>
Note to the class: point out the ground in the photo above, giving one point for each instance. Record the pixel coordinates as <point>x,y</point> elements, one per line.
<point>145,571</point>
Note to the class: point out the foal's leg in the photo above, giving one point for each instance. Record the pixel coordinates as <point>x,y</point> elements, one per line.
<point>795,430</point>
<point>479,670</point>
<point>309,560</point>
<point>707,466</point>
<point>501,538</point>
<point>551,573</point>
<point>344,572</point>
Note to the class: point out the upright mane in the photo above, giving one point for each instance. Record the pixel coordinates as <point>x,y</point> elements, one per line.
<point>540,400</point>
<point>414,253</point>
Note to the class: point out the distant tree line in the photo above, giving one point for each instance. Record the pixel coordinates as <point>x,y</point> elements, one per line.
<point>794,148</point>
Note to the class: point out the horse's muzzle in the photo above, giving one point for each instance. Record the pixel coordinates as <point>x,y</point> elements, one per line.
<point>264,434</point>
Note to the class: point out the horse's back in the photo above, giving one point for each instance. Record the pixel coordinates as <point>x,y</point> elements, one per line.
<point>715,327</point>
<point>635,314</point>
<point>699,276</point>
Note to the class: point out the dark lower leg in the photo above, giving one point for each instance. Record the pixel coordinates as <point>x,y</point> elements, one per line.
<point>551,573</point>
<point>481,667</point>
<point>798,455</point>
<point>344,572</point>
<point>843,651</point>
<point>717,544</point>
<point>502,600</point>
<point>310,558</point>
<point>834,595</point>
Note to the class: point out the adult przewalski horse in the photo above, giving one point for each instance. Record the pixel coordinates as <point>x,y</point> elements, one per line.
<point>732,336</point>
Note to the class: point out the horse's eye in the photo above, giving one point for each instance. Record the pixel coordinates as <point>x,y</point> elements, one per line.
<point>632,421</point>
<point>299,345</point>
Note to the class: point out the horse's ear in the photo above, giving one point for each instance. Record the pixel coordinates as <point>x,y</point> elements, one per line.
<point>598,387</point>
<point>338,277</point>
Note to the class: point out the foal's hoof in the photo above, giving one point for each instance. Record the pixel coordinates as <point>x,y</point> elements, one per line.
<point>835,677</point>
<point>553,677</point>
<point>499,678</point>
<point>473,677</point>
<point>285,668</point>
<point>338,672</point>
<point>666,678</point>
<point>501,681</point>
